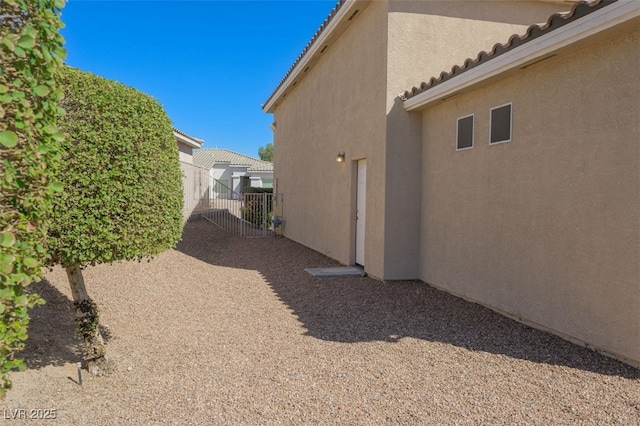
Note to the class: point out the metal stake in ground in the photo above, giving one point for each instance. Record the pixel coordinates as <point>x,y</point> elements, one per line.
<point>79,365</point>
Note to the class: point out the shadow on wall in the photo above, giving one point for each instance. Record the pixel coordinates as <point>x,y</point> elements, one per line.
<point>356,309</point>
<point>52,331</point>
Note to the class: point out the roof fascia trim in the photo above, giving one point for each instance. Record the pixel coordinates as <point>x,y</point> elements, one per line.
<point>601,20</point>
<point>343,13</point>
<point>194,143</point>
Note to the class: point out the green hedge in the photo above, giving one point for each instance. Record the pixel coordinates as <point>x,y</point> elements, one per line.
<point>121,172</point>
<point>253,209</point>
<point>252,190</point>
<point>31,55</point>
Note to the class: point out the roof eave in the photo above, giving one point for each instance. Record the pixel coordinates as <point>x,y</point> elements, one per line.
<point>538,49</point>
<point>334,29</point>
<point>192,142</point>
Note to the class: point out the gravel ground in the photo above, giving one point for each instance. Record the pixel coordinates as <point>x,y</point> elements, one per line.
<point>225,330</point>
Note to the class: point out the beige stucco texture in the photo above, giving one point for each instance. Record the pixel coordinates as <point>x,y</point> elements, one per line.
<point>338,106</point>
<point>546,227</point>
<point>424,39</point>
<point>347,101</point>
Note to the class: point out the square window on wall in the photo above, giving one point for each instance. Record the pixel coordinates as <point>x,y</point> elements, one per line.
<point>464,133</point>
<point>500,124</point>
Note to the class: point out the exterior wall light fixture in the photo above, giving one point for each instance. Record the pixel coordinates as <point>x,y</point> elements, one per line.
<point>340,157</point>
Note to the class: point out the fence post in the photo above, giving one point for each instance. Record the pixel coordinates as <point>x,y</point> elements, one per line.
<point>265,220</point>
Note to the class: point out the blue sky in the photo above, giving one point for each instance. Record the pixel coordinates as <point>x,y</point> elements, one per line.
<point>211,64</point>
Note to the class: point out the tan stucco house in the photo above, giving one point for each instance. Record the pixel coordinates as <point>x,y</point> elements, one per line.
<point>511,179</point>
<point>186,145</point>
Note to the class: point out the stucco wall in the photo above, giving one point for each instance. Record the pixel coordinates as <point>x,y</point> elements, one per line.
<point>544,228</point>
<point>195,186</point>
<point>426,38</point>
<point>339,106</point>
<point>224,175</point>
<point>348,102</point>
<point>185,153</point>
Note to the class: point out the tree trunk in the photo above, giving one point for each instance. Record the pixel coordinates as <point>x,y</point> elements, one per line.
<point>95,358</point>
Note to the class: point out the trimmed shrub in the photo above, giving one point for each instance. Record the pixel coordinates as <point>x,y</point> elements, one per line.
<point>123,187</point>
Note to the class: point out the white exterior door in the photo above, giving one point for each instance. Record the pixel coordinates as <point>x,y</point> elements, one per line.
<point>361,204</point>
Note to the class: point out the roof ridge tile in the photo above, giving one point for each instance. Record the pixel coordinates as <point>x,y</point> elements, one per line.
<point>208,157</point>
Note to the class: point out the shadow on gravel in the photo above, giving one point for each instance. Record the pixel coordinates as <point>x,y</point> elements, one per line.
<point>357,309</point>
<point>52,331</point>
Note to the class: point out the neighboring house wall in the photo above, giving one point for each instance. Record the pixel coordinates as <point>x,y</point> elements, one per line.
<point>231,172</point>
<point>262,180</point>
<point>228,180</point>
<point>185,153</point>
<point>195,182</point>
<point>348,102</point>
<point>544,228</point>
<point>238,177</point>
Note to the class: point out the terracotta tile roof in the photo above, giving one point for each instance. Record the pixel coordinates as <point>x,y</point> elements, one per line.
<point>554,22</point>
<point>324,25</point>
<point>208,157</point>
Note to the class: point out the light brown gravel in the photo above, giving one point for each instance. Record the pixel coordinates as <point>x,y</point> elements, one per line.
<point>225,330</point>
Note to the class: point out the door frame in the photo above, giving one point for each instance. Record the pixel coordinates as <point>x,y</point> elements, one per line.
<point>352,212</point>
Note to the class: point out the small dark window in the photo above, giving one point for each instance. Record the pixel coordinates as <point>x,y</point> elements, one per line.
<point>465,132</point>
<point>501,124</point>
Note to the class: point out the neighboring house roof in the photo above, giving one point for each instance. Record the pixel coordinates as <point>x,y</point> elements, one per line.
<point>555,21</point>
<point>210,157</point>
<point>186,139</point>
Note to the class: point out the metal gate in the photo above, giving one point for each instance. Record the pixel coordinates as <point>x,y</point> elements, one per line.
<point>247,214</point>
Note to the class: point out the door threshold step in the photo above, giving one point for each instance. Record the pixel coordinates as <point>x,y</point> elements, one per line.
<point>339,271</point>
